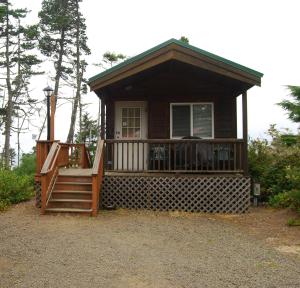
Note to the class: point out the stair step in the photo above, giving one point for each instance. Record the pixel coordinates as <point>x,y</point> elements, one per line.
<point>69,210</point>
<point>71,200</point>
<point>72,192</point>
<point>69,178</point>
<point>74,183</point>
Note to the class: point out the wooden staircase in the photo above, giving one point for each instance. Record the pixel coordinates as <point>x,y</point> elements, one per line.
<point>71,193</point>
<point>69,181</point>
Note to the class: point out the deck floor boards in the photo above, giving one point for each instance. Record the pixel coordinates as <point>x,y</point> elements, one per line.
<point>75,172</point>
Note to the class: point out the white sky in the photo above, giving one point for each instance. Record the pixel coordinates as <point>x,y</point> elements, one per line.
<point>260,34</point>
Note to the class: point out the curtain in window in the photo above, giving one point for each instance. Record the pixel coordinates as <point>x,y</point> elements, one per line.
<point>202,120</point>
<point>181,120</point>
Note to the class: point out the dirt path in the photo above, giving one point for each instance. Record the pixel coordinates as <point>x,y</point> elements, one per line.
<point>141,249</point>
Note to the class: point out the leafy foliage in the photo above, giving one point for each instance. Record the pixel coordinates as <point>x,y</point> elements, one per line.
<point>184,39</point>
<point>58,25</point>
<point>276,165</point>
<point>89,133</point>
<point>27,166</point>
<point>292,107</point>
<point>110,59</point>
<point>17,185</point>
<point>18,62</point>
<point>14,188</point>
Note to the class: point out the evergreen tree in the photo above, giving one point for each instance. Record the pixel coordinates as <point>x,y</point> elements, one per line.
<point>17,62</point>
<point>292,107</point>
<point>57,27</point>
<point>184,39</point>
<point>89,133</point>
<point>110,58</point>
<point>80,65</point>
<point>63,41</point>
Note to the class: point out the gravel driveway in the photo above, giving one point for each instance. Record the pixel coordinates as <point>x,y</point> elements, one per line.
<point>135,249</point>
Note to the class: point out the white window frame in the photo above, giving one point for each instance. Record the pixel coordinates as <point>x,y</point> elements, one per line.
<point>191,118</point>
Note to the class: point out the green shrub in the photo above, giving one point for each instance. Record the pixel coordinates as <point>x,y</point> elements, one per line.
<point>281,200</point>
<point>28,165</point>
<point>14,188</point>
<point>293,222</point>
<point>275,164</point>
<point>286,199</point>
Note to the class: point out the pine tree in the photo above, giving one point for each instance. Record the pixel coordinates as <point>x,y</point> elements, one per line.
<point>17,63</point>
<point>80,65</point>
<point>60,21</point>
<point>89,133</point>
<point>292,107</point>
<point>57,27</point>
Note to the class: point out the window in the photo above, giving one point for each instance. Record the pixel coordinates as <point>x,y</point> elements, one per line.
<point>131,122</point>
<point>194,119</point>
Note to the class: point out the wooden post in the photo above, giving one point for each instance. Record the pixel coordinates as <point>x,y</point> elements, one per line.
<point>102,129</point>
<point>52,117</point>
<point>43,193</point>
<point>245,133</point>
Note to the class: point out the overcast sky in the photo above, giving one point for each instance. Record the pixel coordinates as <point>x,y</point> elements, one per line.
<point>260,34</point>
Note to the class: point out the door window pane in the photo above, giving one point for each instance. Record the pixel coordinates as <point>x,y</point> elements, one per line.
<point>131,122</point>
<point>202,120</point>
<point>181,120</point>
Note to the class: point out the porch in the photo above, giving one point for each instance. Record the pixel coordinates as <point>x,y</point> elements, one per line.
<point>187,174</point>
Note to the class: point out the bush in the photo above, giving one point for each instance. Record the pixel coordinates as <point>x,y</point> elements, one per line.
<point>286,199</point>
<point>275,164</point>
<point>27,166</point>
<point>281,200</point>
<point>14,188</point>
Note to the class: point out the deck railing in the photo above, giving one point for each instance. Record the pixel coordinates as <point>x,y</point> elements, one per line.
<point>53,155</point>
<point>182,155</point>
<point>97,176</point>
<point>49,173</point>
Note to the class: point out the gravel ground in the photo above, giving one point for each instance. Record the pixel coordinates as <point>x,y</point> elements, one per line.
<point>136,249</point>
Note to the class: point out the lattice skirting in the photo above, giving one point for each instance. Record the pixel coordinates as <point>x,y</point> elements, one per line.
<point>37,189</point>
<point>224,194</point>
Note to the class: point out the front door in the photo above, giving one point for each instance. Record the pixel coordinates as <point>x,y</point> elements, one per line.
<point>130,124</point>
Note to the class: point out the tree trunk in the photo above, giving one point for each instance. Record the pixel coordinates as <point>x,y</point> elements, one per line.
<point>9,109</point>
<point>59,61</point>
<point>70,137</point>
<point>57,75</point>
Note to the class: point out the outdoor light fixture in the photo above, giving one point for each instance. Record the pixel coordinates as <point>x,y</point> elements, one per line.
<point>48,92</point>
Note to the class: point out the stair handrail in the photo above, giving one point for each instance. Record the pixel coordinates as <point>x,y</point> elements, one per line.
<point>97,175</point>
<point>87,157</point>
<point>49,174</point>
<point>48,164</point>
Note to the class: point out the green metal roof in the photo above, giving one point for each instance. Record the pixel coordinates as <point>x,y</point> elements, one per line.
<point>182,44</point>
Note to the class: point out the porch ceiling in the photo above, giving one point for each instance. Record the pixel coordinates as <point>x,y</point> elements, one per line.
<point>174,50</point>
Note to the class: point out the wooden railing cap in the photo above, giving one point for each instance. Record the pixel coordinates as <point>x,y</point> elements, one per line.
<point>98,155</point>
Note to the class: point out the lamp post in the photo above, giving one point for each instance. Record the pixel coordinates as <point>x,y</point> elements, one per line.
<point>48,92</point>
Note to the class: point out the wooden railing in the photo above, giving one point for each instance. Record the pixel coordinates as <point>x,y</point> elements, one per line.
<point>49,172</point>
<point>77,155</point>
<point>182,155</point>
<point>97,176</point>
<point>42,151</point>
<point>59,155</point>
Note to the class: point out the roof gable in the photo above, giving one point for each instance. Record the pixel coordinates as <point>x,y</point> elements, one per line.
<point>176,50</point>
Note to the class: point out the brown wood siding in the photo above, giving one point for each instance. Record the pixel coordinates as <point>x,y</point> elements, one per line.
<point>174,84</point>
<point>110,119</point>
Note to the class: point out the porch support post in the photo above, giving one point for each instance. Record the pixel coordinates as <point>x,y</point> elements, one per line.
<point>245,133</point>
<point>102,127</point>
<point>52,117</point>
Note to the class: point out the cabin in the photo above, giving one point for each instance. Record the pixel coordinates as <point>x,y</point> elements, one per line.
<point>168,138</point>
